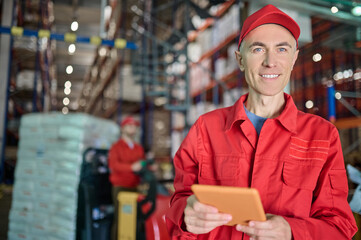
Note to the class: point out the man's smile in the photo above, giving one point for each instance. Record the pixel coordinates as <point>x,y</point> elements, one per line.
<point>270,75</point>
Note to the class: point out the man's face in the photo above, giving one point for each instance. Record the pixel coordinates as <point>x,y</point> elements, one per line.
<point>267,55</point>
<point>130,130</point>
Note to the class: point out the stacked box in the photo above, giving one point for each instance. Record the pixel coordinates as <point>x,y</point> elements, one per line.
<point>200,76</point>
<point>227,25</point>
<point>45,195</point>
<point>161,136</point>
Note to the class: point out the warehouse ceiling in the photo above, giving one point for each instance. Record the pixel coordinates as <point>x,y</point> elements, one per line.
<point>88,14</point>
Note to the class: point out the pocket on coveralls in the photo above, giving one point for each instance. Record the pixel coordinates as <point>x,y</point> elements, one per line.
<point>221,167</point>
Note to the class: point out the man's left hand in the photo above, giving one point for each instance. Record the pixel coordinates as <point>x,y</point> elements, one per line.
<point>276,227</point>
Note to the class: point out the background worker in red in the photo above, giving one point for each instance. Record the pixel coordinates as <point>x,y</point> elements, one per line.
<point>294,159</point>
<point>126,157</point>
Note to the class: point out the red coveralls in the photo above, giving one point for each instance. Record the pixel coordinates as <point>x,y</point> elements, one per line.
<point>296,164</point>
<point>121,158</point>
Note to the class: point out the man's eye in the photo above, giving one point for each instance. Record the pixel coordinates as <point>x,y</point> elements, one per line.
<point>257,50</point>
<point>282,49</point>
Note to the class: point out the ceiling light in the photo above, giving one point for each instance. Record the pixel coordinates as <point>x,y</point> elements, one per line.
<point>346,74</point>
<point>67,91</point>
<point>67,84</point>
<point>71,48</point>
<point>338,76</point>
<point>334,9</point>
<point>309,104</point>
<point>65,110</point>
<point>69,69</point>
<point>74,26</point>
<point>338,95</point>
<point>356,11</point>
<point>102,51</point>
<point>317,57</point>
<point>66,101</point>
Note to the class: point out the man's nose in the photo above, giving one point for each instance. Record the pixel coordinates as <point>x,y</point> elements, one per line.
<point>270,60</point>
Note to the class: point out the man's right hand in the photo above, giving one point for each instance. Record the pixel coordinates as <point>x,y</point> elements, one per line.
<point>201,218</point>
<point>137,166</point>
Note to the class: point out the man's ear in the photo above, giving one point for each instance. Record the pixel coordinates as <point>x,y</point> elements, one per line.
<point>239,59</point>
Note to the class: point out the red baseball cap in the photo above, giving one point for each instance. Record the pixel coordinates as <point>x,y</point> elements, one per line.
<point>128,121</point>
<point>269,14</point>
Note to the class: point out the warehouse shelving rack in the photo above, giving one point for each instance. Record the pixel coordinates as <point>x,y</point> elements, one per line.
<point>164,65</point>
<point>316,81</point>
<point>38,59</point>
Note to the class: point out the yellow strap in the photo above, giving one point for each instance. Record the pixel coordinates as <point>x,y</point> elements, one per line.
<point>70,37</point>
<point>17,31</point>
<point>120,43</point>
<point>43,33</point>
<point>95,40</point>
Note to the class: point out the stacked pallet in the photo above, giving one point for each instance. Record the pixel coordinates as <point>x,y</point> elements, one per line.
<point>47,173</point>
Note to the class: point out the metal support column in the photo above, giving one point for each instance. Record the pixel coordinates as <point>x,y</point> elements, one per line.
<point>5,55</point>
<point>331,103</point>
<point>187,73</point>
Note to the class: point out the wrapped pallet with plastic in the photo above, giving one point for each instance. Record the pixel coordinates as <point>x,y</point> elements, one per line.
<point>47,172</point>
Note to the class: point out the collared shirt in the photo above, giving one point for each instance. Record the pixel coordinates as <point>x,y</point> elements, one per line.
<point>296,164</point>
<point>121,158</point>
<point>256,120</point>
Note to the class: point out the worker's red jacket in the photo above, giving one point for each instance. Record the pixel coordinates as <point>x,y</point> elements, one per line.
<point>121,158</point>
<point>296,164</point>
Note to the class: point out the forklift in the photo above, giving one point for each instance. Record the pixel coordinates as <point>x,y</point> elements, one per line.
<point>141,216</point>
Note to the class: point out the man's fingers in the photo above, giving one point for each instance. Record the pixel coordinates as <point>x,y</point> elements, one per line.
<point>201,218</point>
<point>209,216</point>
<point>200,207</point>
<point>252,231</point>
<point>198,230</point>
<point>276,227</point>
<point>202,223</point>
<point>261,225</point>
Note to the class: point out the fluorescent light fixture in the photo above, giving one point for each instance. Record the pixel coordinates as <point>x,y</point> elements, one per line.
<point>356,11</point>
<point>71,48</point>
<point>309,104</point>
<point>69,69</point>
<point>65,110</point>
<point>74,26</point>
<point>338,95</point>
<point>67,84</point>
<point>317,57</point>
<point>66,101</point>
<point>67,91</point>
<point>334,9</point>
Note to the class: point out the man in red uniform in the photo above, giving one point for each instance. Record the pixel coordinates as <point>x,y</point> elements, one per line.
<point>126,157</point>
<point>294,159</point>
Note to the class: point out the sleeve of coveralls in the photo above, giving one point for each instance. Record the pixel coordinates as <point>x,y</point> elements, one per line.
<point>330,216</point>
<point>115,161</point>
<point>186,171</point>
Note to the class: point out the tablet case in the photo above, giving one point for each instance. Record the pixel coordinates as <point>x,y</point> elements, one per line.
<point>244,204</point>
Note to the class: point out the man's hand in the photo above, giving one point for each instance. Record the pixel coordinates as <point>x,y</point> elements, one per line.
<point>137,166</point>
<point>200,218</point>
<point>276,227</point>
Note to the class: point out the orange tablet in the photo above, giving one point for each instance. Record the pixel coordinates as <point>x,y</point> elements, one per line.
<point>244,204</point>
